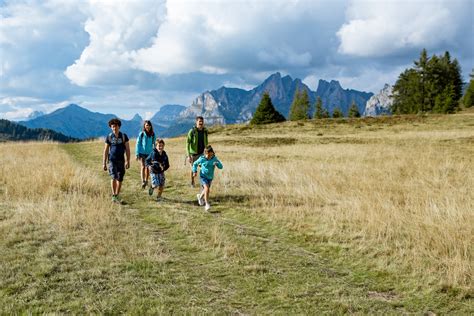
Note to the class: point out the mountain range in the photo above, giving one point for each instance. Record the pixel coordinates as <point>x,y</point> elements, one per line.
<point>233,105</point>
<point>221,106</point>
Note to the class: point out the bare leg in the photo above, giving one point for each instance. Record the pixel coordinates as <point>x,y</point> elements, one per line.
<point>144,170</point>
<point>205,193</point>
<point>117,186</point>
<point>160,191</point>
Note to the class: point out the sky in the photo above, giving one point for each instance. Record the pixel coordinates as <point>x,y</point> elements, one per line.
<point>134,56</point>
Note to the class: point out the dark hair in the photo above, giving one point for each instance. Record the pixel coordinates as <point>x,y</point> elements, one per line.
<point>199,118</point>
<point>160,141</point>
<point>209,149</point>
<point>151,133</point>
<point>115,121</point>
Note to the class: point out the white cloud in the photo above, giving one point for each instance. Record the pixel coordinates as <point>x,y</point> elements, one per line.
<point>116,29</point>
<point>380,28</point>
<point>240,36</point>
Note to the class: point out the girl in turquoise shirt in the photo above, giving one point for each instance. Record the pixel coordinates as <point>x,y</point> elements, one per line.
<point>145,145</point>
<point>208,162</point>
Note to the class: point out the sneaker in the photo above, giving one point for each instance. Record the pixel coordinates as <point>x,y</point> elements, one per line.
<point>199,198</point>
<point>207,207</point>
<point>114,198</point>
<point>150,191</point>
<point>144,184</point>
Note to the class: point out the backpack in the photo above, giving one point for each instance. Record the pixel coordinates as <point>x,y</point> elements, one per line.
<point>109,138</point>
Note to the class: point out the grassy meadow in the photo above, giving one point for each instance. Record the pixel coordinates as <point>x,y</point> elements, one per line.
<point>364,216</point>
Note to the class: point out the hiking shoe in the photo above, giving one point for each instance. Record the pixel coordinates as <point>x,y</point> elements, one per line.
<point>150,191</point>
<point>207,207</point>
<point>199,198</point>
<point>144,184</point>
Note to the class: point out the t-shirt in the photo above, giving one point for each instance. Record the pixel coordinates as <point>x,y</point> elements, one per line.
<point>117,146</point>
<point>200,136</point>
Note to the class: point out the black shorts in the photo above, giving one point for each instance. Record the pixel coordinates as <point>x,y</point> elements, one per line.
<point>117,170</point>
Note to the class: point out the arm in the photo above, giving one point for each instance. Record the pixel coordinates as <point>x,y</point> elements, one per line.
<point>105,156</point>
<point>218,164</point>
<point>166,163</point>
<point>127,154</point>
<point>136,145</point>
<point>188,146</point>
<point>196,164</point>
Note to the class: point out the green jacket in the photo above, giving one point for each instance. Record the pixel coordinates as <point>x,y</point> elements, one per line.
<point>192,141</point>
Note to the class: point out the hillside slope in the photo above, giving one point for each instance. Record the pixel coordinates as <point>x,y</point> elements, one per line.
<point>331,217</point>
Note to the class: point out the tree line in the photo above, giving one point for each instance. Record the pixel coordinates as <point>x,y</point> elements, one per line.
<point>300,110</point>
<point>433,85</point>
<point>13,131</point>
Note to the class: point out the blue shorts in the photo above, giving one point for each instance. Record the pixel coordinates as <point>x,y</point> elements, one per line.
<point>205,181</point>
<point>158,179</point>
<point>117,170</point>
<point>142,156</point>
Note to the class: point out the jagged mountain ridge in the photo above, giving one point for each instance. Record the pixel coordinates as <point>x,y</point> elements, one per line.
<point>234,105</point>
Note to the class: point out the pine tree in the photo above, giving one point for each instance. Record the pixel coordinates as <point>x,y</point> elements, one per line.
<point>468,98</point>
<point>337,113</point>
<point>319,111</point>
<point>266,113</point>
<point>354,110</point>
<point>300,106</point>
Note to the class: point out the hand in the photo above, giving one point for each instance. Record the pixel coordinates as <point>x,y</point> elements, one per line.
<point>137,158</point>
<point>127,164</point>
<point>104,166</point>
<point>194,174</point>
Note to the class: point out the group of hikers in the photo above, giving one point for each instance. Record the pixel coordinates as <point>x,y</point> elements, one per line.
<point>154,161</point>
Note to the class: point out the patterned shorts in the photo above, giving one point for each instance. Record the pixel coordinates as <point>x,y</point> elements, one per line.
<point>158,179</point>
<point>117,170</point>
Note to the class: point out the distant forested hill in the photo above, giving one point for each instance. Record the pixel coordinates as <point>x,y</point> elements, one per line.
<point>14,132</point>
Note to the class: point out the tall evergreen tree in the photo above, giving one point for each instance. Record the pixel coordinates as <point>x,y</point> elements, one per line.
<point>468,98</point>
<point>300,106</point>
<point>266,113</point>
<point>319,111</point>
<point>354,110</point>
<point>337,113</point>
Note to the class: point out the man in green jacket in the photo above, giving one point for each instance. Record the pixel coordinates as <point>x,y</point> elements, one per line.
<point>196,142</point>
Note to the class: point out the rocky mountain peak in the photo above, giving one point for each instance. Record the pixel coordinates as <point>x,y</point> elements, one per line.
<point>380,103</point>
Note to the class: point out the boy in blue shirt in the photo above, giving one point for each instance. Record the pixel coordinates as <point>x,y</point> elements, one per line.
<point>208,162</point>
<point>157,162</point>
<point>116,147</point>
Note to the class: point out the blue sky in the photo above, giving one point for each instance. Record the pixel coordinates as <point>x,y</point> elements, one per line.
<point>133,56</point>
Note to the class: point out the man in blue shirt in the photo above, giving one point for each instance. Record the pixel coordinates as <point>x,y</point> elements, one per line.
<point>116,147</point>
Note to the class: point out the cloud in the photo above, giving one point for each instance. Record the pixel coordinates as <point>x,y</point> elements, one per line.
<point>385,28</point>
<point>240,36</point>
<point>116,30</point>
<point>37,42</point>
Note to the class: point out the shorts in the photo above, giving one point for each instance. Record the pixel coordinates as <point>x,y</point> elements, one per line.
<point>117,170</point>
<point>195,157</point>
<point>142,156</point>
<point>158,179</point>
<point>205,181</point>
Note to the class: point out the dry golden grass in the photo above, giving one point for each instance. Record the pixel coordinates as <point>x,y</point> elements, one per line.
<point>42,187</point>
<point>399,193</point>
